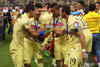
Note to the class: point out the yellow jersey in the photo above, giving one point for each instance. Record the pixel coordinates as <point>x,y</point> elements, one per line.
<point>33,26</point>
<point>20,27</point>
<point>73,24</point>
<point>87,33</point>
<point>60,24</point>
<point>45,18</point>
<point>93,21</point>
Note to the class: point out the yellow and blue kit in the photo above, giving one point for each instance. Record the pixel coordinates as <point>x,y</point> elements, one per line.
<point>74,54</point>
<point>17,44</point>
<point>87,33</point>
<point>93,21</point>
<point>31,46</point>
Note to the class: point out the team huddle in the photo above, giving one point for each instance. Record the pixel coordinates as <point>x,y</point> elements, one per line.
<point>64,32</point>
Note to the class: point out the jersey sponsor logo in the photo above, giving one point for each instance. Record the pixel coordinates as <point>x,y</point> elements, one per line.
<point>95,18</point>
<point>60,24</point>
<point>76,24</point>
<point>49,26</point>
<point>33,27</point>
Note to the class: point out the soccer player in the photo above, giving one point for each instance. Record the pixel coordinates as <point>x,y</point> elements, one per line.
<point>31,45</point>
<point>93,21</point>
<point>76,42</point>
<point>22,25</point>
<point>88,36</point>
<point>59,34</point>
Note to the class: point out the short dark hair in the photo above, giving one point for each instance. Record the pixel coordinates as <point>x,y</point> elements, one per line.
<point>82,3</point>
<point>92,6</point>
<point>66,9</point>
<point>29,7</point>
<point>98,2</point>
<point>53,5</point>
<point>38,5</point>
<point>49,5</point>
<point>32,2</point>
<point>57,7</point>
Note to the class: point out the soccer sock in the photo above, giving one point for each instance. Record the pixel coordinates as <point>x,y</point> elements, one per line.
<point>53,61</point>
<point>40,65</point>
<point>98,64</point>
<point>87,65</point>
<point>36,61</point>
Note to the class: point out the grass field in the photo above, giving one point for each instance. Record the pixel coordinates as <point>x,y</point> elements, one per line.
<point>5,58</point>
<point>6,61</point>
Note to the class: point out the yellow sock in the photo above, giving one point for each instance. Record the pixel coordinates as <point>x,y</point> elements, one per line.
<point>54,61</point>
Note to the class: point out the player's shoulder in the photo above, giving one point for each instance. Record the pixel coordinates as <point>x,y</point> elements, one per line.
<point>97,14</point>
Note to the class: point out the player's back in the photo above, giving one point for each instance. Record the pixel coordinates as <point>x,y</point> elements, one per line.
<point>18,33</point>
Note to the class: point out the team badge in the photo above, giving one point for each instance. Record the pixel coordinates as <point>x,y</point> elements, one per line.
<point>76,24</point>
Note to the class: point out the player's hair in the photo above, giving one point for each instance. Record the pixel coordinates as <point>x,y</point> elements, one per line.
<point>53,5</point>
<point>48,4</point>
<point>56,7</point>
<point>81,2</point>
<point>92,6</point>
<point>98,2</point>
<point>32,2</point>
<point>66,9</point>
<point>29,7</point>
<point>38,5</point>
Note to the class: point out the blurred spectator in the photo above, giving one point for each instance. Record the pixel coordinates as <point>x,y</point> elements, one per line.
<point>98,7</point>
<point>6,16</point>
<point>80,7</point>
<point>10,14</point>
<point>20,12</point>
<point>15,15</point>
<point>1,25</point>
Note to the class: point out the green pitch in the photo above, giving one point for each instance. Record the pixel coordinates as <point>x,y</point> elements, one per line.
<point>6,61</point>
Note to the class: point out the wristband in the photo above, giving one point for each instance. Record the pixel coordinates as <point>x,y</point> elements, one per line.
<point>83,50</point>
